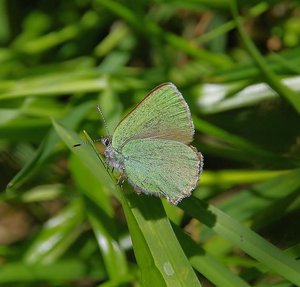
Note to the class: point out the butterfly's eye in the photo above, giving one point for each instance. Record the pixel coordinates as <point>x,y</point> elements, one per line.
<point>106,142</point>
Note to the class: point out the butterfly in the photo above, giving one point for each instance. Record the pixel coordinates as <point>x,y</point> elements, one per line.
<point>151,146</point>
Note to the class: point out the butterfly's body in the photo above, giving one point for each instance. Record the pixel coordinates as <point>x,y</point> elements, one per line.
<point>151,147</point>
<point>113,157</point>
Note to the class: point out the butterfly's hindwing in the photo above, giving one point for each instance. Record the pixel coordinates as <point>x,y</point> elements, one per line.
<point>162,167</point>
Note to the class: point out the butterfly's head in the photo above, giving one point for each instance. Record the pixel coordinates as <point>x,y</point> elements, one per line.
<point>113,158</point>
<point>108,152</point>
<point>106,141</point>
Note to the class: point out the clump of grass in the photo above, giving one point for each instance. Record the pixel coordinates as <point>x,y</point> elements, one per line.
<point>238,69</point>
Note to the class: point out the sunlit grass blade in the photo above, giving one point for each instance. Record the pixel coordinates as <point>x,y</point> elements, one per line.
<point>47,147</point>
<point>85,153</point>
<point>147,224</point>
<point>46,87</point>
<point>228,178</point>
<point>206,264</point>
<point>214,99</point>
<point>101,217</point>
<point>147,214</point>
<point>101,158</point>
<point>250,202</point>
<point>57,235</point>
<point>243,237</point>
<point>37,45</point>
<point>104,229</point>
<point>14,273</point>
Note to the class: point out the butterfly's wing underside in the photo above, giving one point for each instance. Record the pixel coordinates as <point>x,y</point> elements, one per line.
<point>163,114</point>
<point>162,167</point>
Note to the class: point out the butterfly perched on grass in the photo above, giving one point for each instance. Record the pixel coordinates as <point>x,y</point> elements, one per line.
<point>151,146</point>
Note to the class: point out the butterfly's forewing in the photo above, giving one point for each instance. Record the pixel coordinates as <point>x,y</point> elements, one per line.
<point>163,114</point>
<point>162,167</point>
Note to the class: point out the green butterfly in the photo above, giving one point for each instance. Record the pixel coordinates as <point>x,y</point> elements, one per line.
<point>150,146</point>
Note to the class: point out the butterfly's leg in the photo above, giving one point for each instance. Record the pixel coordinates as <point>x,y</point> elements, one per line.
<point>121,179</point>
<point>121,184</point>
<point>107,167</point>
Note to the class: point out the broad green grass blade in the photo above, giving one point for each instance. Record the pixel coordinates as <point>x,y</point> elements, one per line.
<point>228,178</point>
<point>147,214</point>
<point>153,238</point>
<point>243,237</point>
<point>289,65</point>
<point>248,203</point>
<point>101,217</point>
<point>99,156</point>
<point>43,193</point>
<point>87,169</point>
<point>44,43</point>
<point>277,284</point>
<point>86,154</point>
<point>249,96</point>
<point>105,231</point>
<point>258,206</point>
<point>25,129</point>
<point>47,148</point>
<point>14,273</point>
<point>250,71</point>
<point>46,87</point>
<point>57,235</point>
<point>206,264</point>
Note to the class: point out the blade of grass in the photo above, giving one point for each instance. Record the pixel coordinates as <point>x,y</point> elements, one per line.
<point>248,203</point>
<point>237,142</point>
<point>18,272</point>
<point>154,31</point>
<point>101,217</point>
<point>27,129</point>
<point>86,154</point>
<point>168,256</point>
<point>55,38</point>
<point>58,233</point>
<point>206,264</point>
<point>22,90</point>
<point>230,25</point>
<point>104,229</point>
<point>250,95</point>
<point>158,253</point>
<point>46,148</point>
<point>229,177</point>
<point>271,78</point>
<point>244,72</point>
<point>243,237</point>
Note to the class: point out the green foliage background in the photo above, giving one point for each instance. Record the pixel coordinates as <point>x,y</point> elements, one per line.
<point>63,222</point>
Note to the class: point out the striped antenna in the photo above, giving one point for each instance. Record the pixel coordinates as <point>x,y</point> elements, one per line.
<point>104,121</point>
<point>86,142</point>
<point>106,127</point>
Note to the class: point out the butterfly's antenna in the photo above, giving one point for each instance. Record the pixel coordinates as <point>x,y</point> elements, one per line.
<point>104,121</point>
<point>106,127</point>
<point>85,142</point>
